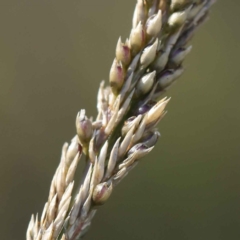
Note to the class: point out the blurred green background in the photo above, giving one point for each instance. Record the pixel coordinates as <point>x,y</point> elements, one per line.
<point>53,54</point>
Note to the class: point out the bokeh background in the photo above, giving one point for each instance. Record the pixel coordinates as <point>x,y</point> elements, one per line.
<point>53,54</point>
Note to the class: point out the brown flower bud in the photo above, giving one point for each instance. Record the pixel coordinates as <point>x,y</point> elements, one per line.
<point>149,54</point>
<point>137,38</point>
<point>155,113</point>
<point>154,24</point>
<point>140,13</point>
<point>117,76</point>
<point>102,192</point>
<point>145,83</point>
<point>123,52</point>
<point>84,127</point>
<point>177,19</point>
